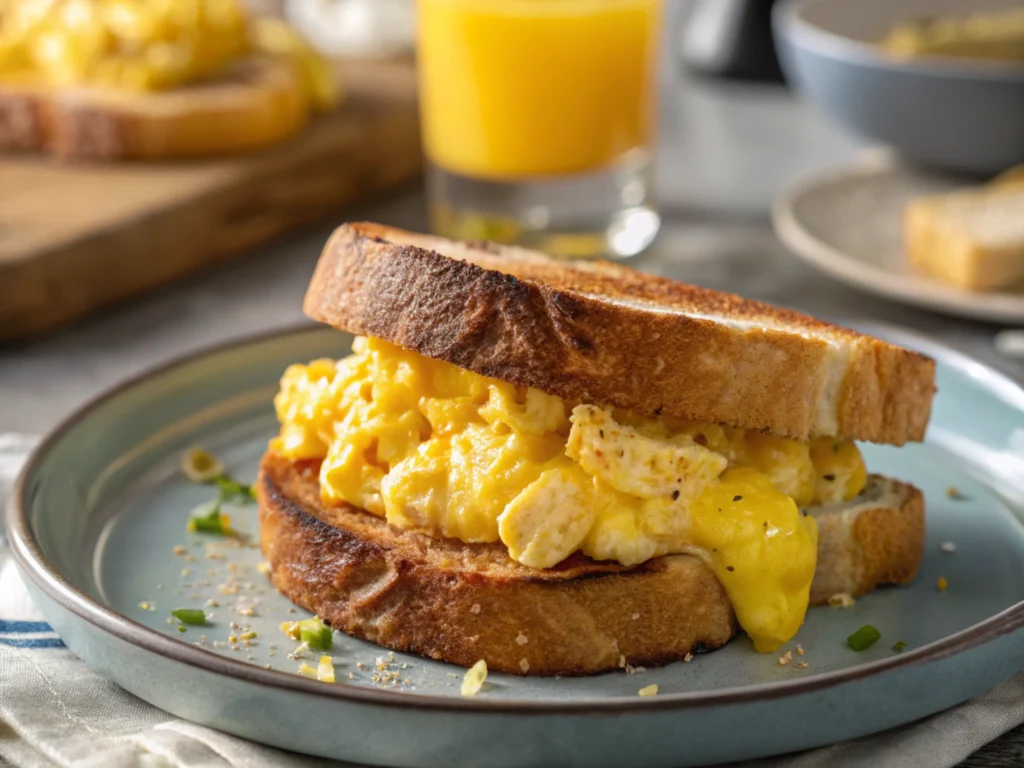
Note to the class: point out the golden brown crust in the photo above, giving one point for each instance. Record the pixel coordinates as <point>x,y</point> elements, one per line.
<point>258,102</point>
<point>880,545</point>
<point>600,333</point>
<point>460,602</point>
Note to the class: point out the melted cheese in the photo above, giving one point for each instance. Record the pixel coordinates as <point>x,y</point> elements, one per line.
<point>432,447</point>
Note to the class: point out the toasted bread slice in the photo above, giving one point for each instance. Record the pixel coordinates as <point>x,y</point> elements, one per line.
<point>878,538</point>
<point>604,334</point>
<point>259,101</point>
<point>460,602</point>
<point>971,238</point>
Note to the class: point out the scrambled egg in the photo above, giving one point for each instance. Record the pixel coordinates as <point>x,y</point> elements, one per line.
<point>432,447</point>
<point>144,45</point>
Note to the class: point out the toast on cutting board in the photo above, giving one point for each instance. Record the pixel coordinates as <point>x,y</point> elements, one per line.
<point>102,79</point>
<point>257,102</point>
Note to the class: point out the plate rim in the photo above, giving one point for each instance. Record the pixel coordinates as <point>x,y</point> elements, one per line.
<point>993,307</point>
<point>35,566</point>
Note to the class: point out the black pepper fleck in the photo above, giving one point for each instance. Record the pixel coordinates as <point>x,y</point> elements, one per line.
<point>675,494</point>
<point>829,477</point>
<point>737,498</point>
<point>729,568</point>
<point>601,433</point>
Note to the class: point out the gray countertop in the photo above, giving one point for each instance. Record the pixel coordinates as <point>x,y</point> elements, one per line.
<point>728,150</point>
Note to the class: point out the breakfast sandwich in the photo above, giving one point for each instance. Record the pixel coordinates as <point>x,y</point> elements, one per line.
<point>567,468</point>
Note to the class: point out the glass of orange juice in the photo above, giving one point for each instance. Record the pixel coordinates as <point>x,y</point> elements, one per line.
<point>539,119</point>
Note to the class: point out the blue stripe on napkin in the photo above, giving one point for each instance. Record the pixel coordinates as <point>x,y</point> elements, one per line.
<point>32,642</point>
<point>24,626</point>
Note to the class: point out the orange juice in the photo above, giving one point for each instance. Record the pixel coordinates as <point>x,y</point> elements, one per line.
<point>514,89</point>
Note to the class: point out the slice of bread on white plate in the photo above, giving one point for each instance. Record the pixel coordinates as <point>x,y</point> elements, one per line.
<point>972,238</point>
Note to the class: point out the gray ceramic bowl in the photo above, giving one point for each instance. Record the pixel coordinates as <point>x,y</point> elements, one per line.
<point>949,113</point>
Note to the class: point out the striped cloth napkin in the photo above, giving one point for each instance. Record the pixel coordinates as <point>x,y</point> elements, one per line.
<point>54,711</point>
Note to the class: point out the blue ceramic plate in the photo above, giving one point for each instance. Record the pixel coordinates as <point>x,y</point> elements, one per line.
<point>101,509</point>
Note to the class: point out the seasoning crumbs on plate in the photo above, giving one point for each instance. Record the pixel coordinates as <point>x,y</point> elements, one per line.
<point>841,600</point>
<point>474,679</point>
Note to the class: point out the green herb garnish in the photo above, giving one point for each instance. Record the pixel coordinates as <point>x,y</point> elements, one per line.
<point>193,616</point>
<point>899,646</point>
<point>232,490</point>
<point>864,638</point>
<point>319,636</point>
<point>207,518</point>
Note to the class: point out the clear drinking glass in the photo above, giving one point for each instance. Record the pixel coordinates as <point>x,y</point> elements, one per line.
<point>539,119</point>
<point>353,28</point>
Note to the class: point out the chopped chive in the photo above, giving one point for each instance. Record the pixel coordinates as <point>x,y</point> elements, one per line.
<point>232,490</point>
<point>864,638</point>
<point>207,518</point>
<point>899,646</point>
<point>320,641</point>
<point>193,616</point>
<point>319,636</point>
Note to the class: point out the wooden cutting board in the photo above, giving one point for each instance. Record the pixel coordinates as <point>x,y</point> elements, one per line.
<point>74,238</point>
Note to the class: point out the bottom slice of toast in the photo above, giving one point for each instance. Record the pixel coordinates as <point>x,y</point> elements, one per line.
<point>458,602</point>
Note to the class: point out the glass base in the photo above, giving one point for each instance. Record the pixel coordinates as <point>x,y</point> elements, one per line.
<point>606,214</point>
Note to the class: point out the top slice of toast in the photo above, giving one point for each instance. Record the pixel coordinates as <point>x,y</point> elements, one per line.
<point>601,333</point>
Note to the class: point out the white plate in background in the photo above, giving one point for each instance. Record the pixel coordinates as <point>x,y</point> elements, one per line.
<point>847,222</point>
